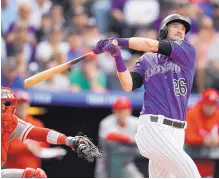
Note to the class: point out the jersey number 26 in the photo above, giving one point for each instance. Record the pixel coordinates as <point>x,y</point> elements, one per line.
<point>180,88</point>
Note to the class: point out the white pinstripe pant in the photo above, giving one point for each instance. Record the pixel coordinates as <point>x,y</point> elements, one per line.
<point>163,146</point>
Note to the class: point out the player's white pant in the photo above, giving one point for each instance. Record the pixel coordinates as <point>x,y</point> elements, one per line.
<point>23,173</point>
<point>163,146</point>
<point>12,173</point>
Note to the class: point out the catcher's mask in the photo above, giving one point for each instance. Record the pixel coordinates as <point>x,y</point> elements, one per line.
<point>170,19</point>
<point>8,100</point>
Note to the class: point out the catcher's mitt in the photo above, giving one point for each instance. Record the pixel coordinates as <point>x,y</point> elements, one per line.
<point>83,146</point>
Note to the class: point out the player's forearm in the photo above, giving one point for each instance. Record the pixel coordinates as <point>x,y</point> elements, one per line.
<point>123,74</point>
<point>46,135</point>
<point>125,80</point>
<point>139,44</point>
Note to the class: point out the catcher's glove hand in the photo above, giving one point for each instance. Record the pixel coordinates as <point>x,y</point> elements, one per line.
<point>83,146</point>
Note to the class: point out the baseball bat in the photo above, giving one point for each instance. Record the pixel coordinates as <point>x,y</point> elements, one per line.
<point>44,75</point>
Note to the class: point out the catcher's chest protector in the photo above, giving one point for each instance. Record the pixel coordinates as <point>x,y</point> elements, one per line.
<point>8,125</point>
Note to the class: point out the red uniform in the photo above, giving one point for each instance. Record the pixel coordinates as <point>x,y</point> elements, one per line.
<point>14,128</point>
<point>19,154</point>
<point>8,125</point>
<point>200,125</point>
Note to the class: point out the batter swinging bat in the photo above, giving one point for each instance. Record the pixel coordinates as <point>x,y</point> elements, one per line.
<point>44,75</point>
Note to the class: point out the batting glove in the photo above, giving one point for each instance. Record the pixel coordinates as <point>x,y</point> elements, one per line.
<point>101,44</point>
<point>112,49</point>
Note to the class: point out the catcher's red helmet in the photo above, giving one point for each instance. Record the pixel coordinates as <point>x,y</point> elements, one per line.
<point>210,96</point>
<point>8,100</point>
<point>122,102</point>
<point>22,95</point>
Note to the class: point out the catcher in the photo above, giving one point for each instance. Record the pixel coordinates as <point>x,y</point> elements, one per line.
<point>13,127</point>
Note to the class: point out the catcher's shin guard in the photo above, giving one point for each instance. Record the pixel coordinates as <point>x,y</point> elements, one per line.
<point>34,173</point>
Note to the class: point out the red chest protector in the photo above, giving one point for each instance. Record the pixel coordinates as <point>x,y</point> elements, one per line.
<point>9,123</point>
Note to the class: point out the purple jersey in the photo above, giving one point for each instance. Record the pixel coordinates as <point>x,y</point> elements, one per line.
<point>167,80</point>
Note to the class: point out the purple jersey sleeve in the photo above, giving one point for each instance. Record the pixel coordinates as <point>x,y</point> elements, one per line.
<point>183,54</point>
<point>139,67</point>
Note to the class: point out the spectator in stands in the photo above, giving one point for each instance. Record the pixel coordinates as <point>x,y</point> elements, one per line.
<point>138,13</point>
<point>23,21</point>
<point>76,43</point>
<point>207,35</point>
<point>8,14</point>
<point>117,22</point>
<point>21,42</point>
<point>91,33</point>
<point>57,16</point>
<point>203,126</point>
<point>60,81</point>
<point>45,28</point>
<point>213,65</point>
<point>55,44</point>
<point>190,11</point>
<point>22,64</point>
<point>216,16</point>
<point>181,7</point>
<point>9,77</point>
<point>87,76</point>
<point>40,8</point>
<point>80,19</point>
<point>101,11</point>
<point>106,63</point>
<point>3,51</point>
<point>120,127</point>
<point>149,32</point>
<point>73,7</point>
<point>206,6</point>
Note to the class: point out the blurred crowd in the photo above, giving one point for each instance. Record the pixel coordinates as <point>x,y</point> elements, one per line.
<point>40,34</point>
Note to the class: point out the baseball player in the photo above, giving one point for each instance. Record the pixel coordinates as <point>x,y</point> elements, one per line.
<point>166,71</point>
<point>203,127</point>
<point>120,127</point>
<point>13,127</point>
<point>29,153</point>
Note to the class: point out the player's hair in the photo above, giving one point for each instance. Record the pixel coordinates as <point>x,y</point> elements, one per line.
<point>170,19</point>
